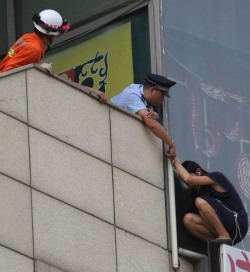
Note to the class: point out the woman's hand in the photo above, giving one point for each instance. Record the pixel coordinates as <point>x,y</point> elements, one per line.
<point>152,114</point>
<point>102,96</point>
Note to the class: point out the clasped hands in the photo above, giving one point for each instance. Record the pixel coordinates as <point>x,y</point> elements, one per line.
<point>152,114</point>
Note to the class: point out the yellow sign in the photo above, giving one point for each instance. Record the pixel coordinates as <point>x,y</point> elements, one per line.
<point>103,62</point>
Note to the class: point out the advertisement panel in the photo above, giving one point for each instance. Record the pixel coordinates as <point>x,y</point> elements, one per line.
<point>234,260</point>
<point>103,62</point>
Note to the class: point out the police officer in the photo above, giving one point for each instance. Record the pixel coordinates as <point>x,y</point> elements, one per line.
<point>141,99</point>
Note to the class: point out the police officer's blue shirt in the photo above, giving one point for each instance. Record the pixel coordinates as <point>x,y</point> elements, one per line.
<point>132,98</point>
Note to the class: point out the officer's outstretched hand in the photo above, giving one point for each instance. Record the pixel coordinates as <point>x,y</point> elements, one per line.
<point>171,152</point>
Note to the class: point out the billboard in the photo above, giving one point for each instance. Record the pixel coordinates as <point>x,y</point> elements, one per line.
<point>103,62</point>
<point>234,260</point>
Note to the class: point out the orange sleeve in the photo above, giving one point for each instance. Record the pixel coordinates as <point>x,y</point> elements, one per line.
<point>26,55</point>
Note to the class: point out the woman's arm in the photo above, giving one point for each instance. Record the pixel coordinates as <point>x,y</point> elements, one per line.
<point>102,97</point>
<point>192,179</point>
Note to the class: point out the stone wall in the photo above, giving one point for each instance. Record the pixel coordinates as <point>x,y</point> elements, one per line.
<point>81,183</point>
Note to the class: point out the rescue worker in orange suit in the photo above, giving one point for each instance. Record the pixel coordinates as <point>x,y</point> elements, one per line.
<point>30,48</point>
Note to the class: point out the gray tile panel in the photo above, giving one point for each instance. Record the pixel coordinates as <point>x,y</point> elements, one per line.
<point>69,115</point>
<point>14,154</point>
<point>11,261</point>
<point>140,208</point>
<point>42,267</point>
<point>71,175</point>
<point>71,240</point>
<point>15,216</point>
<point>13,100</point>
<point>135,149</point>
<point>135,254</point>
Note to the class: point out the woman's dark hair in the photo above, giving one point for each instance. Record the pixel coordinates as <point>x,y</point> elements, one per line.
<point>192,166</point>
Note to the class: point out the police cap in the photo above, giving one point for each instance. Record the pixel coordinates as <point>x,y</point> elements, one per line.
<point>160,82</point>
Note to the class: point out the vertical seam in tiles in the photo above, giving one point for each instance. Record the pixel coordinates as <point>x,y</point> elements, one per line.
<point>31,202</point>
<point>34,264</point>
<point>113,185</point>
<point>33,238</point>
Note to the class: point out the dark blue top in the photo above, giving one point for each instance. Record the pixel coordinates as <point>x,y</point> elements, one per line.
<point>231,198</point>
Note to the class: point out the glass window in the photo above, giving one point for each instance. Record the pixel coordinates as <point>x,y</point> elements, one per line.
<point>3,32</point>
<point>208,53</point>
<point>77,12</point>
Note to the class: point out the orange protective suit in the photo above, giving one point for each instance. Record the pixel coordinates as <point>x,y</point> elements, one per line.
<point>28,49</point>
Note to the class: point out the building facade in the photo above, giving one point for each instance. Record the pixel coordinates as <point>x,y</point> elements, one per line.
<point>204,47</point>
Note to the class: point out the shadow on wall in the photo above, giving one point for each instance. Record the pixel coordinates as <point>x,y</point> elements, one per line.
<point>183,205</point>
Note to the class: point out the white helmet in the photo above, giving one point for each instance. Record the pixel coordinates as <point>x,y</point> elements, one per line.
<point>50,22</point>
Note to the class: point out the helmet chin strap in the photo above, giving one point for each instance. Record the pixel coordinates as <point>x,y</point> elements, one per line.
<point>50,39</point>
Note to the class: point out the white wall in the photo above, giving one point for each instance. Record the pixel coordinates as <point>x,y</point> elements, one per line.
<point>81,183</point>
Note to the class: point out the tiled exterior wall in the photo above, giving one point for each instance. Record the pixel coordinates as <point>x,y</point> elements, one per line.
<point>81,183</point>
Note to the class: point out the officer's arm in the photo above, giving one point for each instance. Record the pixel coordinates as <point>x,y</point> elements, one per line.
<point>158,130</point>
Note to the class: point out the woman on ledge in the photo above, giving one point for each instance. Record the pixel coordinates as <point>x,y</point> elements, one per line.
<point>219,213</point>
